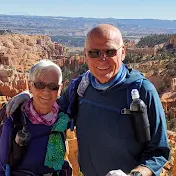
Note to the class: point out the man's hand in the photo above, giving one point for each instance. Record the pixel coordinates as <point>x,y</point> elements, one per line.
<point>116,173</point>
<point>13,104</point>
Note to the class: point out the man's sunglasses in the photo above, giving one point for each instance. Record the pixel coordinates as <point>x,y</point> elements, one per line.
<point>42,85</point>
<point>95,53</point>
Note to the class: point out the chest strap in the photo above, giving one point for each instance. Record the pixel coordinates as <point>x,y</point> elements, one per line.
<point>116,109</point>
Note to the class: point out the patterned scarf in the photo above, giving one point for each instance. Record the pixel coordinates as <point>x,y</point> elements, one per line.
<point>56,147</point>
<point>37,118</point>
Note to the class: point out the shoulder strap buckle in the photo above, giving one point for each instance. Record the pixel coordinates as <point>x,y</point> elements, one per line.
<point>125,111</point>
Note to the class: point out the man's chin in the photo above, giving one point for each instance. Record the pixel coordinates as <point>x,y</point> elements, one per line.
<point>104,79</point>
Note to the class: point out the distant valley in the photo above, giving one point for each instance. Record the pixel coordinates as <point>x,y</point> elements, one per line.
<point>67,30</point>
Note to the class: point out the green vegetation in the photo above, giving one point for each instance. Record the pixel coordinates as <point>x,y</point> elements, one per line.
<point>152,40</point>
<point>171,122</point>
<point>69,40</point>
<point>133,58</point>
<point>69,74</point>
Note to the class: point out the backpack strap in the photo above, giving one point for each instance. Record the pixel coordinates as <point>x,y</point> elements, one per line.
<point>15,152</point>
<point>74,101</point>
<point>115,109</point>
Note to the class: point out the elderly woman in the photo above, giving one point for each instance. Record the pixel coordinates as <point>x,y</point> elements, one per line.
<point>34,144</point>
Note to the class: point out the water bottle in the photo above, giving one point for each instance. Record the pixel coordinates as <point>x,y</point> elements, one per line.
<point>139,117</point>
<point>22,136</point>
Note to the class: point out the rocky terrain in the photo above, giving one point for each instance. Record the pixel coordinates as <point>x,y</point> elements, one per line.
<point>19,52</point>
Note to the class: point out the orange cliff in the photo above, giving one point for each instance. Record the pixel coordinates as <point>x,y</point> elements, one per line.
<point>3,99</point>
<point>12,82</point>
<point>19,52</point>
<point>168,99</point>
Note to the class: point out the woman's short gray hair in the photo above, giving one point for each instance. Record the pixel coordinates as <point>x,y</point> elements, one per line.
<point>37,68</point>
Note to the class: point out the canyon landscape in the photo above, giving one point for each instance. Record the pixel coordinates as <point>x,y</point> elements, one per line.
<point>18,52</point>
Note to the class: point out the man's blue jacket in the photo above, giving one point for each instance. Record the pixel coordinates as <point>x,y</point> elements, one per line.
<point>106,138</point>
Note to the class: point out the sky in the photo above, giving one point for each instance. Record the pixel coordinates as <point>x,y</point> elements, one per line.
<point>120,9</point>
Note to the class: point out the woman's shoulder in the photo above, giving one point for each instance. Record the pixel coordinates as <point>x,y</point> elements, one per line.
<point>7,122</point>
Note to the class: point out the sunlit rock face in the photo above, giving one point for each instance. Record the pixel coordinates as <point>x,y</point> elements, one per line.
<point>173,41</point>
<point>21,51</point>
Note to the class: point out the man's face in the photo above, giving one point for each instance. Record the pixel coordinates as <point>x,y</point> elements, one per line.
<point>104,68</point>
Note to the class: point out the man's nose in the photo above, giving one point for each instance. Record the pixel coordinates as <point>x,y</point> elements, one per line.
<point>102,55</point>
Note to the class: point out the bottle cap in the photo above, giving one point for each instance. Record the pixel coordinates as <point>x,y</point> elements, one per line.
<point>134,94</point>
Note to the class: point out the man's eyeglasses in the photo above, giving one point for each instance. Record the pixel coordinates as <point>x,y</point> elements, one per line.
<point>42,85</point>
<point>95,53</point>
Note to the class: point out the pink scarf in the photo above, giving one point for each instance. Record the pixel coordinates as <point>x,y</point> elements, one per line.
<point>36,118</point>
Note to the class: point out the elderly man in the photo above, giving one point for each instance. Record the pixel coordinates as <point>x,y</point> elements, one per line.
<point>106,137</point>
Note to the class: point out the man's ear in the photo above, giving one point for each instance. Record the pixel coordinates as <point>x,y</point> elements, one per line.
<point>123,52</point>
<point>60,89</point>
<point>85,55</point>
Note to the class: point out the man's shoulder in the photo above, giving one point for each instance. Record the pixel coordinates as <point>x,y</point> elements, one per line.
<point>137,76</point>
<point>148,86</point>
<point>134,73</point>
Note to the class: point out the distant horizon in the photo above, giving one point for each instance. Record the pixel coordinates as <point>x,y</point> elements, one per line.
<point>126,9</point>
<point>87,17</point>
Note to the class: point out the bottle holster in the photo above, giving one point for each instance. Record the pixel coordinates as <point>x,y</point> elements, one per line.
<point>141,125</point>
<point>16,154</point>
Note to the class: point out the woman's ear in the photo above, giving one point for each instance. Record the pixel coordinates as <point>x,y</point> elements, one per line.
<point>29,86</point>
<point>60,89</point>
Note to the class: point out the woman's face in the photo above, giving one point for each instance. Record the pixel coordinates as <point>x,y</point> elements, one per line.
<point>43,99</point>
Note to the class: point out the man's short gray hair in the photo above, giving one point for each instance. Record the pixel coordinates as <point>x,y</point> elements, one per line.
<point>37,68</point>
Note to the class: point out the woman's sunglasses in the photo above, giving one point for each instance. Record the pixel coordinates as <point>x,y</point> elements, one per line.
<point>42,85</point>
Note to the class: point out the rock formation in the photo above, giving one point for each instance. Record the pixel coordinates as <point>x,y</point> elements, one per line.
<point>143,51</point>
<point>173,84</point>
<point>19,52</point>
<point>72,151</point>
<point>12,82</point>
<point>3,99</point>
<point>173,41</point>
<point>170,167</point>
